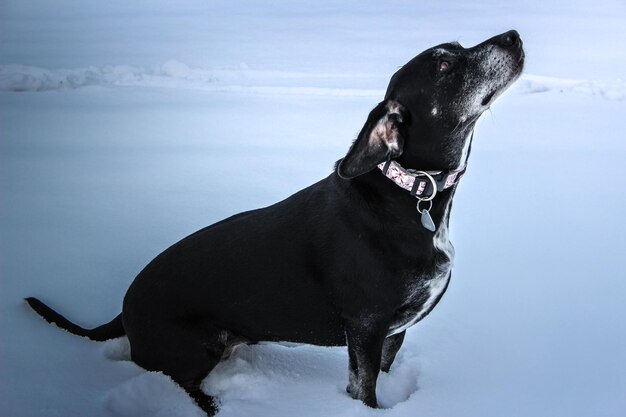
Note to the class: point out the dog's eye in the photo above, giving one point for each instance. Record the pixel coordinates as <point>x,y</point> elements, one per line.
<point>444,66</point>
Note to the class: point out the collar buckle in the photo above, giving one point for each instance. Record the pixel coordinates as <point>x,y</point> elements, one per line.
<point>418,183</point>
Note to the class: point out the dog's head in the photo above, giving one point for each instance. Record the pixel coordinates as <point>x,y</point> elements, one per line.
<point>432,104</point>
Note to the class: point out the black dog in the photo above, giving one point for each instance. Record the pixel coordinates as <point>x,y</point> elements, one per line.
<point>349,260</point>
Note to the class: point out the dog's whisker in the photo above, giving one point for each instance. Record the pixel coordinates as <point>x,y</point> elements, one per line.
<point>457,126</point>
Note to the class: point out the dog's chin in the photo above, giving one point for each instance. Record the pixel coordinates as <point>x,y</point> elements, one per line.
<point>490,97</point>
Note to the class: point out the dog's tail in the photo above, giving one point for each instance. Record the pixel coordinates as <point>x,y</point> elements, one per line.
<point>111,330</point>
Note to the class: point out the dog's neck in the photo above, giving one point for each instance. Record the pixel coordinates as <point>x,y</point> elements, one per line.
<point>390,203</point>
<point>399,183</point>
<point>424,185</point>
<point>449,154</point>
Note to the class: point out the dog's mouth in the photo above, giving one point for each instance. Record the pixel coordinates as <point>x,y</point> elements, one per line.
<point>488,98</point>
<point>500,88</point>
<point>517,65</point>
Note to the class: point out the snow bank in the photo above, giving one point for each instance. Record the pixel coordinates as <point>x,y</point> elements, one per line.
<point>28,78</point>
<point>176,74</point>
<point>257,379</point>
<point>151,394</point>
<point>609,89</point>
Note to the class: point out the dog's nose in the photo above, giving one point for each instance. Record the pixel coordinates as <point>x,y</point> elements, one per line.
<point>509,39</point>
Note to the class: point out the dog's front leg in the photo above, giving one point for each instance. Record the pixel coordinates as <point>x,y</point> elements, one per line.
<point>365,345</point>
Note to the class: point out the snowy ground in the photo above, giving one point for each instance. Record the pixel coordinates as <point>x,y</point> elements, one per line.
<point>120,122</point>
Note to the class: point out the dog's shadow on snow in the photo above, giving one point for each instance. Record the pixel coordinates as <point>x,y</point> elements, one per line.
<point>265,376</point>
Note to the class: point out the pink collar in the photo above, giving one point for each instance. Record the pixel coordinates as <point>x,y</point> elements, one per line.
<point>420,183</point>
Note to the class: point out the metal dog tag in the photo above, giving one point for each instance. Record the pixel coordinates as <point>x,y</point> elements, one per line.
<point>427,221</point>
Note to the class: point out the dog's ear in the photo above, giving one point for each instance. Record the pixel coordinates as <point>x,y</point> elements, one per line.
<point>380,139</point>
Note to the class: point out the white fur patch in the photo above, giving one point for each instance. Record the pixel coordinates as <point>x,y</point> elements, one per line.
<point>393,107</point>
<point>385,130</point>
<point>464,152</point>
<point>495,72</point>
<point>496,67</point>
<point>438,283</point>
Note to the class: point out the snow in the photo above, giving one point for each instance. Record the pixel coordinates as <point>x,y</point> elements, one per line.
<point>123,123</point>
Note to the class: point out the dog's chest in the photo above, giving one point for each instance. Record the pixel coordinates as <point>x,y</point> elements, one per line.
<point>425,291</point>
